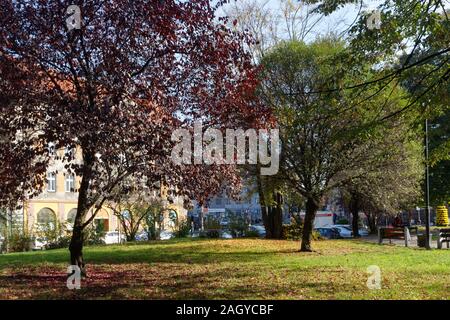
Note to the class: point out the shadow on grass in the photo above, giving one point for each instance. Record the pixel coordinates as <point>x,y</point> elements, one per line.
<point>223,283</point>
<point>176,251</point>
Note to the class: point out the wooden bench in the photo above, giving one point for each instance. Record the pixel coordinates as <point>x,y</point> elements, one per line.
<point>394,233</point>
<point>443,236</point>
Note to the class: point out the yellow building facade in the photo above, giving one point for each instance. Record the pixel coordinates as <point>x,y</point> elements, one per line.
<point>58,201</point>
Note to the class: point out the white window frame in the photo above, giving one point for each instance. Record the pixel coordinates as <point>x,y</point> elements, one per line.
<point>70,183</point>
<point>51,149</point>
<point>69,152</point>
<point>51,182</point>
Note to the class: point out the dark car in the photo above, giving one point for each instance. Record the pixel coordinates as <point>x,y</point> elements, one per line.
<point>329,233</point>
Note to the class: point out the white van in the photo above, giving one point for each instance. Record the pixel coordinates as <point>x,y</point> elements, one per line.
<point>323,219</point>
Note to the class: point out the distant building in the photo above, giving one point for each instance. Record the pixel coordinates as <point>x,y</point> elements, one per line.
<point>59,198</point>
<point>248,206</point>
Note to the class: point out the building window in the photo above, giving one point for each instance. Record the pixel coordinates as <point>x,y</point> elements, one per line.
<point>46,218</point>
<point>51,182</point>
<point>51,149</point>
<point>69,152</point>
<point>71,217</point>
<point>70,183</point>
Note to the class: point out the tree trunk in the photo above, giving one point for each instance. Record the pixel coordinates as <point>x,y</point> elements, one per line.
<point>273,218</point>
<point>277,217</point>
<point>355,225</point>
<point>265,211</point>
<point>76,249</point>
<point>372,219</point>
<point>312,205</point>
<point>76,242</point>
<point>354,209</point>
<point>266,214</point>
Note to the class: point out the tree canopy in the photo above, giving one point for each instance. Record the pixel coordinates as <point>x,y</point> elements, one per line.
<point>115,89</point>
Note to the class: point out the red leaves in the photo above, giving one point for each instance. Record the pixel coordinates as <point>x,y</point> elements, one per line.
<point>119,86</point>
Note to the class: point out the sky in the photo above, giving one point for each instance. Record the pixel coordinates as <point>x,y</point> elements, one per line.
<point>337,22</point>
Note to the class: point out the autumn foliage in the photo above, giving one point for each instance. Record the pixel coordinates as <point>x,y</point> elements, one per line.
<point>116,88</point>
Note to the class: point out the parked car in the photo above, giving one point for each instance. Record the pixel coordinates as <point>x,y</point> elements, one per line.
<point>225,234</point>
<point>363,232</point>
<point>165,235</point>
<point>141,236</point>
<point>40,243</point>
<point>259,229</point>
<point>112,237</point>
<point>329,232</point>
<point>224,222</point>
<point>344,231</point>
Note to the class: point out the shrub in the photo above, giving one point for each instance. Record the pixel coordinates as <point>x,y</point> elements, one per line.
<point>62,242</point>
<point>94,235</point>
<point>237,226</point>
<point>211,233</point>
<point>183,229</point>
<point>294,230</point>
<point>316,235</point>
<point>251,234</point>
<point>212,223</point>
<point>55,236</point>
<point>19,241</point>
<point>342,221</point>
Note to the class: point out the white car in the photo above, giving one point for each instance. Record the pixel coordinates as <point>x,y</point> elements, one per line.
<point>344,230</point>
<point>141,236</point>
<point>165,235</point>
<point>226,235</point>
<point>40,243</point>
<point>261,230</point>
<point>113,237</point>
<point>363,232</point>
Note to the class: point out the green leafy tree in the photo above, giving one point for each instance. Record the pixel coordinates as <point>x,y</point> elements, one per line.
<point>327,136</point>
<point>410,49</point>
<point>153,219</point>
<point>390,184</point>
<point>132,205</point>
<point>440,161</point>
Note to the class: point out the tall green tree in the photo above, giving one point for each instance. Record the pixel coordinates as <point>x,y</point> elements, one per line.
<point>393,182</point>
<point>440,164</point>
<point>326,135</point>
<point>412,44</point>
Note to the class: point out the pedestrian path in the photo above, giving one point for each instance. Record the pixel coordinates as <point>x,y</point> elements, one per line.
<point>397,242</point>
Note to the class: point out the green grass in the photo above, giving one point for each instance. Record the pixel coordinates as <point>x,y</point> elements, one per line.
<point>231,269</point>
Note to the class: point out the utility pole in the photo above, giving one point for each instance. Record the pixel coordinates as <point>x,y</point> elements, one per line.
<point>427,189</point>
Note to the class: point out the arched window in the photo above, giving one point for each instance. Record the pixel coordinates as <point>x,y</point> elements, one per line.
<point>173,218</point>
<point>46,216</point>
<point>71,216</point>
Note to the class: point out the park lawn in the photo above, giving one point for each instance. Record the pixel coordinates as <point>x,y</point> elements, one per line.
<point>230,269</point>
